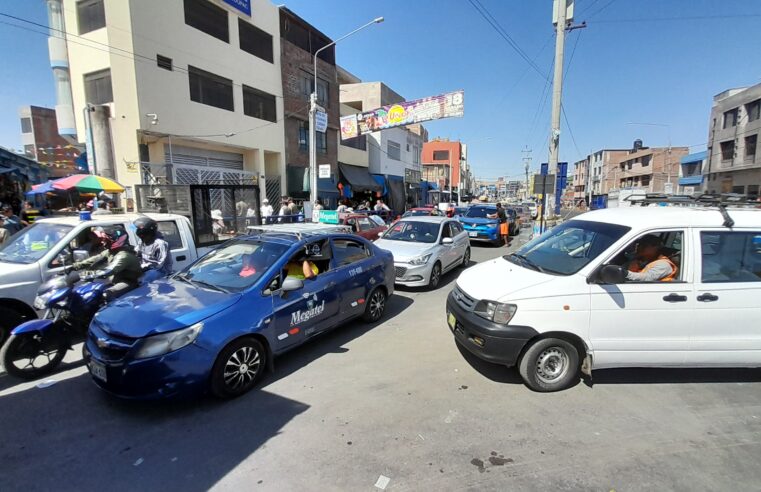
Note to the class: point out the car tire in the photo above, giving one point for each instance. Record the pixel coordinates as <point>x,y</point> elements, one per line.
<point>232,375</point>
<point>550,364</point>
<point>435,278</point>
<point>466,258</point>
<point>375,306</point>
<point>9,319</point>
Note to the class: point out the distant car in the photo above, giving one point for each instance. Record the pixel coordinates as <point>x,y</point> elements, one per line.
<point>425,248</point>
<point>533,210</point>
<point>217,324</point>
<point>479,226</point>
<point>459,211</point>
<point>367,226</point>
<point>423,211</point>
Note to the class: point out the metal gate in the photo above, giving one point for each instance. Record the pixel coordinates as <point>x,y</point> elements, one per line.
<point>214,223</point>
<point>273,189</point>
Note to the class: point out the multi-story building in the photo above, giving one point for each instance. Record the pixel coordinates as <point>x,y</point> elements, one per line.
<point>39,135</point>
<point>298,44</point>
<point>192,87</point>
<point>591,174</point>
<point>580,180</point>
<point>733,163</point>
<point>691,172</point>
<point>654,170</point>
<point>442,152</point>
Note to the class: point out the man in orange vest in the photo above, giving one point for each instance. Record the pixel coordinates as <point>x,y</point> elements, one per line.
<point>650,265</point>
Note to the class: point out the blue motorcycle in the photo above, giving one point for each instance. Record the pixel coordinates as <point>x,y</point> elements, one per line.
<point>37,347</point>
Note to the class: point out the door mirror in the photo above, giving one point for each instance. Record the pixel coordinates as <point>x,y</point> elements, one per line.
<point>291,283</point>
<point>447,240</point>
<point>612,274</point>
<point>380,234</point>
<point>63,259</point>
<point>80,255</point>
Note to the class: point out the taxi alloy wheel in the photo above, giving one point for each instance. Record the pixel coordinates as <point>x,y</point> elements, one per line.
<point>375,306</point>
<point>238,367</point>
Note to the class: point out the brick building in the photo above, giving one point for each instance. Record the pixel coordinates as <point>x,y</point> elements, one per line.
<point>442,154</point>
<point>299,41</point>
<point>39,135</point>
<point>654,170</point>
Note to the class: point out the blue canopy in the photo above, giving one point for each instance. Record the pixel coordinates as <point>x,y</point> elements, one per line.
<point>44,188</point>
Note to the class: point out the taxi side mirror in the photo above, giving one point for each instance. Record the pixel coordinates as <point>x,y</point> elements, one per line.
<point>612,274</point>
<point>291,284</point>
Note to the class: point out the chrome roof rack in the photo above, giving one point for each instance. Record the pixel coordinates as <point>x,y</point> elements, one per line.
<point>300,230</point>
<point>703,199</point>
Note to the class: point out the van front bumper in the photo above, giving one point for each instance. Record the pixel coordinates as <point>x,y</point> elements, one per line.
<point>492,342</point>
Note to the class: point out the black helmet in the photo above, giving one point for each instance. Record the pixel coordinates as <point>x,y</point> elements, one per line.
<point>145,226</point>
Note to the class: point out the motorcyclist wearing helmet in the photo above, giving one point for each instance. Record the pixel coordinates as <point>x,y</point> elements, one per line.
<point>123,266</point>
<point>99,247</point>
<point>152,251</point>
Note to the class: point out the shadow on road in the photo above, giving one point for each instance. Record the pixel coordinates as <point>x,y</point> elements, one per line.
<point>495,372</point>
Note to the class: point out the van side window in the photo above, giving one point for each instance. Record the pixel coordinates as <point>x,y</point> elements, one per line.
<point>730,256</point>
<point>169,231</point>
<point>671,247</point>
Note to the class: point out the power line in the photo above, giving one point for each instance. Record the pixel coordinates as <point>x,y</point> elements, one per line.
<point>484,12</point>
<point>685,18</point>
<point>601,9</point>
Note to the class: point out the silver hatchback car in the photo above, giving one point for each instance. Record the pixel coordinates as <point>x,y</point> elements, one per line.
<point>425,248</point>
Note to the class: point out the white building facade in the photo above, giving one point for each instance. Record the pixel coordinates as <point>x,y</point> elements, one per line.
<point>192,87</point>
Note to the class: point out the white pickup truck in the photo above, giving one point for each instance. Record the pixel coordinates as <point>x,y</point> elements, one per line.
<point>33,255</point>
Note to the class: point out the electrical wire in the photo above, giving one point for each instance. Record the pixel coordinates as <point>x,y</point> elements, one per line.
<point>676,19</point>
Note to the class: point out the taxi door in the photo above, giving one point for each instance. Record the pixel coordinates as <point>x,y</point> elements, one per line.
<point>355,270</point>
<point>300,314</point>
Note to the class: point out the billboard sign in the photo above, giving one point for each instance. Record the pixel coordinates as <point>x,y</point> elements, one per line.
<point>242,5</point>
<point>321,121</point>
<point>449,105</point>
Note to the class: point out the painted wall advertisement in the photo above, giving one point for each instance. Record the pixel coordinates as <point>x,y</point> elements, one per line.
<point>449,105</point>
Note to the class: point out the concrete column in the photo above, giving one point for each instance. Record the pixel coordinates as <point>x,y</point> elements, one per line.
<point>101,141</point>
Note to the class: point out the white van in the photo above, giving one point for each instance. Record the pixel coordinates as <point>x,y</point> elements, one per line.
<point>562,303</point>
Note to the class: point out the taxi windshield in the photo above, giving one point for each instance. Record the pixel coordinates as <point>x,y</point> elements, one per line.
<point>235,266</point>
<point>480,212</point>
<point>413,232</point>
<point>32,243</point>
<point>569,247</point>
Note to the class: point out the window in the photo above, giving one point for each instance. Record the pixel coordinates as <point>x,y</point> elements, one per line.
<point>750,146</point>
<point>322,142</point>
<point>259,104</point>
<point>26,125</point>
<point>207,17</point>
<point>29,150</point>
<point>728,150</point>
<point>90,15</point>
<point>730,118</point>
<point>731,256</point>
<point>170,233</point>
<point>457,228</point>
<point>303,136</point>
<point>440,155</point>
<point>416,154</point>
<point>296,184</point>
<point>672,246</point>
<point>753,190</point>
<point>346,251</point>
<point>98,87</point>
<point>646,180</point>
<point>307,87</point>
<point>212,90</point>
<point>255,41</point>
<point>394,151</point>
<point>164,62</point>
<point>645,161</point>
<point>753,110</point>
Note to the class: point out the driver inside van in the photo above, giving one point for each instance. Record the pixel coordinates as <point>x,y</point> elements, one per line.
<point>649,264</point>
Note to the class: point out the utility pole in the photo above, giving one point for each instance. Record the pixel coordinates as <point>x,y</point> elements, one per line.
<point>527,166</point>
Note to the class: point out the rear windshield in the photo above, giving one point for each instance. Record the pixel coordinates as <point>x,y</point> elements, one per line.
<point>480,212</point>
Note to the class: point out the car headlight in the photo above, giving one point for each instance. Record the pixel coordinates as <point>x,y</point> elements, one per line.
<point>40,303</point>
<point>164,343</point>
<point>420,260</point>
<point>496,311</point>
<point>491,226</point>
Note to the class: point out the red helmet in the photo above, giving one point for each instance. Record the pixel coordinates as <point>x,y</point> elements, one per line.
<point>119,243</point>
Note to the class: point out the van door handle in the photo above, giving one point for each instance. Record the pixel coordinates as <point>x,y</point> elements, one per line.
<point>675,298</point>
<point>707,297</point>
<point>181,258</point>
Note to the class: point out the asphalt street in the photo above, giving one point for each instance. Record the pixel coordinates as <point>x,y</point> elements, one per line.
<point>396,400</point>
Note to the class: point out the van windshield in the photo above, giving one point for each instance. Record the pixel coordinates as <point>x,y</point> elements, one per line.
<point>31,243</point>
<point>569,247</point>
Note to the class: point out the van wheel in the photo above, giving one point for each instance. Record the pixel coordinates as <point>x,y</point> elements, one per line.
<point>550,364</point>
<point>375,306</point>
<point>238,368</point>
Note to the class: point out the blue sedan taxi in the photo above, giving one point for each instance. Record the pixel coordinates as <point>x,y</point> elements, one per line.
<point>480,227</point>
<point>217,325</point>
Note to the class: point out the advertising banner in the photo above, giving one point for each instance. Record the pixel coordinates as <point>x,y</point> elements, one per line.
<point>242,5</point>
<point>449,105</point>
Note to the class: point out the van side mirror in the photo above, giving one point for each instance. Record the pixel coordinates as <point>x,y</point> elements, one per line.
<point>80,255</point>
<point>612,274</point>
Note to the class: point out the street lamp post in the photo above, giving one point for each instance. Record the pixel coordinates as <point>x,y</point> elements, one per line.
<point>313,108</point>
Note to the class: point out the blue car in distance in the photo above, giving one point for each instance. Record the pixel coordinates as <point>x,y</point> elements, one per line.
<point>478,226</point>
<point>218,324</point>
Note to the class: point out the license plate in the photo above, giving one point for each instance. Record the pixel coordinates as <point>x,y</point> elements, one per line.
<point>473,234</point>
<point>98,370</point>
<point>451,321</point>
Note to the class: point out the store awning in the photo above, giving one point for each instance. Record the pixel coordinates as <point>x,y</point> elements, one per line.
<point>358,177</point>
<point>327,186</point>
<point>12,170</point>
<point>381,180</point>
<point>694,158</point>
<point>691,180</point>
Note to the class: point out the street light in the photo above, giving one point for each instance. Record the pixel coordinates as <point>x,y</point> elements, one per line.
<point>313,111</point>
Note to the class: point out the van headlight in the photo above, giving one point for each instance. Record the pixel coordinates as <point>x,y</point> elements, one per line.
<point>420,260</point>
<point>496,311</point>
<point>164,343</point>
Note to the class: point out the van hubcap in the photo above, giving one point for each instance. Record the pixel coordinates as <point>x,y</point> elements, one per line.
<point>552,364</point>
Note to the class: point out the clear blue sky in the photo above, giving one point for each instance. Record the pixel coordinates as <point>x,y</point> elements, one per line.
<point>649,70</point>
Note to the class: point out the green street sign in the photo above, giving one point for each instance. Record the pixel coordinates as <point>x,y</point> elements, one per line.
<point>328,217</point>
